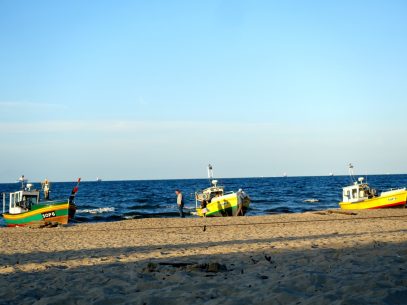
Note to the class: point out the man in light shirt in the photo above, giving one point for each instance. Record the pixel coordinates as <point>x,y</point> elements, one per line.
<point>241,195</point>
<point>180,203</point>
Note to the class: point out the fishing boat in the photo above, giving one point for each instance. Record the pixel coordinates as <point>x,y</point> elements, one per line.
<point>26,208</point>
<point>360,195</point>
<point>215,202</point>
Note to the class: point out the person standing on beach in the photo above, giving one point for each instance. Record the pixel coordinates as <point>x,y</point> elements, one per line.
<point>180,203</point>
<point>240,198</point>
<point>46,187</point>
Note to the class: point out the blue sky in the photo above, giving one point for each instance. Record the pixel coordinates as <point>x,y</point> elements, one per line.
<point>157,89</point>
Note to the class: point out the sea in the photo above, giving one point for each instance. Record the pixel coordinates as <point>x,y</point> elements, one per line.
<point>119,200</point>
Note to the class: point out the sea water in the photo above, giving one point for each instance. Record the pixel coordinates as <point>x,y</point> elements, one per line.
<point>118,200</point>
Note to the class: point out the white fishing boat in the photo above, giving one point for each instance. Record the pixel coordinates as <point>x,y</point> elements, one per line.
<point>360,195</point>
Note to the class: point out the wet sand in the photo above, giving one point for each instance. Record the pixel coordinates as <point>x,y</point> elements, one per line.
<point>309,258</point>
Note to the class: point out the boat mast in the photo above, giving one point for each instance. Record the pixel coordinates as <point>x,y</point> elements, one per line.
<point>212,181</point>
<point>351,174</point>
<point>74,191</point>
<point>23,180</point>
<point>210,172</point>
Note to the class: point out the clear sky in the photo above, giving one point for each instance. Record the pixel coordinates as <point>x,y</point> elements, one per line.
<point>157,89</point>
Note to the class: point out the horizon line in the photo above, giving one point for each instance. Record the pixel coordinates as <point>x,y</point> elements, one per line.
<point>251,177</point>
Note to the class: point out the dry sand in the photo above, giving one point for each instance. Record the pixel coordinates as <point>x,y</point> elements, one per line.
<point>309,258</point>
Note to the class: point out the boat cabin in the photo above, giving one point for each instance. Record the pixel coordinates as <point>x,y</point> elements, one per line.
<point>22,201</point>
<point>209,193</point>
<point>359,191</point>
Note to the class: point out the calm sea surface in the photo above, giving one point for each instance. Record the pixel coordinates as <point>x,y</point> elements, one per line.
<point>117,200</point>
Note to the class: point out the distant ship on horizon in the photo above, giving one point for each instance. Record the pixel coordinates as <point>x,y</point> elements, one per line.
<point>98,179</point>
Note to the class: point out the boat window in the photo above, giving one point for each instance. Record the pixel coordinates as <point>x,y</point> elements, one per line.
<point>15,198</point>
<point>31,200</point>
<point>354,193</point>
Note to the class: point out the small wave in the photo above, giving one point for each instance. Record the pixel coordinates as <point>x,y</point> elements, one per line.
<point>311,200</point>
<point>97,211</point>
<point>111,218</point>
<point>260,201</point>
<point>151,215</point>
<point>279,210</point>
<point>144,206</point>
<point>85,206</point>
<point>79,219</point>
<point>189,208</point>
<point>99,217</point>
<point>142,200</point>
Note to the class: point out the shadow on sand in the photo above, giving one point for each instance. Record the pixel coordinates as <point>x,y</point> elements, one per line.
<point>369,274</point>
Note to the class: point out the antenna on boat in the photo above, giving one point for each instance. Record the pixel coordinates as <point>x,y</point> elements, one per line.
<point>22,179</point>
<point>352,177</point>
<point>210,172</point>
<point>210,176</point>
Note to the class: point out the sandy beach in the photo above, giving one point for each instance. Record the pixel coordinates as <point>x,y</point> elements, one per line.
<point>310,258</point>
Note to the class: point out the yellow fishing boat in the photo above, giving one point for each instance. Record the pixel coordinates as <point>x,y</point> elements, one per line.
<point>359,195</point>
<point>214,201</point>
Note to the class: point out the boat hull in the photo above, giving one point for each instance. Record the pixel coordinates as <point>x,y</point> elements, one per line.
<point>223,206</point>
<point>72,211</point>
<point>57,212</point>
<point>392,199</point>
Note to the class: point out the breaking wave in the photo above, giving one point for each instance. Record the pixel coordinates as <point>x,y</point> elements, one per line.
<point>97,210</point>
